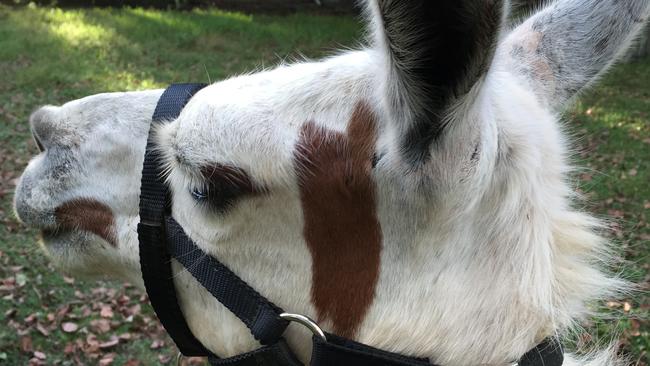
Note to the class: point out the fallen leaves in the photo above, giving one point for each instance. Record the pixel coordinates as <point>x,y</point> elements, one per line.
<point>107,359</point>
<point>93,324</point>
<point>157,344</point>
<point>114,341</point>
<point>106,311</point>
<point>69,327</point>
<point>100,325</point>
<point>26,344</point>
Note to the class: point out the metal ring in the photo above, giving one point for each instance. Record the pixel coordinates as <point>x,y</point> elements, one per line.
<point>305,321</point>
<point>179,359</point>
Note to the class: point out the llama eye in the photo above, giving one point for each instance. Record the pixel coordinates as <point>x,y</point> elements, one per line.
<point>199,194</point>
<point>223,186</point>
<point>475,154</point>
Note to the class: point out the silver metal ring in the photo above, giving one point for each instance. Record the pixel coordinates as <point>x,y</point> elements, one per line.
<point>305,321</point>
<point>179,359</point>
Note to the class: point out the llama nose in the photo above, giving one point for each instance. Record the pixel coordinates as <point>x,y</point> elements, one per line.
<point>41,127</point>
<point>38,142</point>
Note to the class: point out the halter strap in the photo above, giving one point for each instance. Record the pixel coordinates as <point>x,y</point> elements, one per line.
<point>155,261</point>
<point>261,316</point>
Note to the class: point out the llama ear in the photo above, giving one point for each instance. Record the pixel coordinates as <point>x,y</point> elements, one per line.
<point>434,52</point>
<point>524,8</point>
<point>567,45</point>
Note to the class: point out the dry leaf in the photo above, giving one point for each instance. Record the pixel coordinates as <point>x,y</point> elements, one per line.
<point>26,344</point>
<point>100,325</point>
<point>69,327</point>
<point>157,344</point>
<point>109,344</point>
<point>69,348</point>
<point>41,329</point>
<point>164,359</point>
<point>107,359</point>
<point>106,312</point>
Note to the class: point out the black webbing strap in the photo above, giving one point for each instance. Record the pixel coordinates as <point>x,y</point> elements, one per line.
<point>261,316</point>
<point>154,258</point>
<point>344,352</point>
<point>547,353</point>
<point>277,354</point>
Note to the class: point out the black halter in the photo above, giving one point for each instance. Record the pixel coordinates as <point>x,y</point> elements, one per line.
<point>162,238</point>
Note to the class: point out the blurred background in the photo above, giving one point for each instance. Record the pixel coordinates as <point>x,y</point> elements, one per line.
<point>55,51</point>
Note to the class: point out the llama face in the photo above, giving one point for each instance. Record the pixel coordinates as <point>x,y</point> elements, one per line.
<point>353,188</point>
<point>82,189</point>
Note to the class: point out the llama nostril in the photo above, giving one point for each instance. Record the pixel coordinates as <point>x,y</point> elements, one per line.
<point>38,142</point>
<point>40,126</point>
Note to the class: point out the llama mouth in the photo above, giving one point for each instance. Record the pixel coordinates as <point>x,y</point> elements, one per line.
<point>57,236</point>
<point>53,233</point>
<point>62,240</point>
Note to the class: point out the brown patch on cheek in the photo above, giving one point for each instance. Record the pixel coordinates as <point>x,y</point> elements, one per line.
<point>341,225</point>
<point>87,215</point>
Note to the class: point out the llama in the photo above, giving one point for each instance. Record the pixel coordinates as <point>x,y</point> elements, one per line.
<point>411,195</point>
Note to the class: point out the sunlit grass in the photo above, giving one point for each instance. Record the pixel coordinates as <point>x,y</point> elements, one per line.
<point>75,30</point>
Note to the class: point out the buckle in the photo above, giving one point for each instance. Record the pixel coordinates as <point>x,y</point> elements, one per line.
<point>305,321</point>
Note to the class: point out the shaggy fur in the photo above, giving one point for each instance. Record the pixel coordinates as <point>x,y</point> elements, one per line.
<point>482,254</point>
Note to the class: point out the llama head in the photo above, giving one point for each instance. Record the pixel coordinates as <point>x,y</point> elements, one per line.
<point>422,169</point>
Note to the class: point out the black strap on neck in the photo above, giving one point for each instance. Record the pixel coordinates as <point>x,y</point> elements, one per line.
<point>162,238</point>
<point>344,352</point>
<point>547,353</point>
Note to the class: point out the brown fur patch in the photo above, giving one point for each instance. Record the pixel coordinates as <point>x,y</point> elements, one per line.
<point>87,215</point>
<point>341,225</point>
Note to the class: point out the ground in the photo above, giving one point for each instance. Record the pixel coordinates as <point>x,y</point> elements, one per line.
<point>52,56</point>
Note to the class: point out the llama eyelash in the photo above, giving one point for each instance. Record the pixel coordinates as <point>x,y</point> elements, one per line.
<point>198,194</point>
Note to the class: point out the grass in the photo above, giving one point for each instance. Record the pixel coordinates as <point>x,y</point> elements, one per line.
<point>52,56</point>
<point>612,128</point>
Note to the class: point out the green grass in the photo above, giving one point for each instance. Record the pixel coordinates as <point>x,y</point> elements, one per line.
<point>612,128</point>
<point>49,56</point>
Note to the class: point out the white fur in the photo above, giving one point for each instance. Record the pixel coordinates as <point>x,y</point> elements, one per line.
<point>482,258</point>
